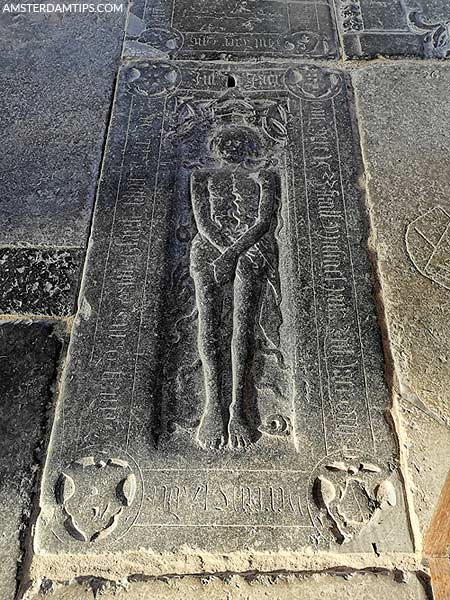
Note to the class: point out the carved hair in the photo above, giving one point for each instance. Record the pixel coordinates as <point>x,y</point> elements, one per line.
<point>245,142</point>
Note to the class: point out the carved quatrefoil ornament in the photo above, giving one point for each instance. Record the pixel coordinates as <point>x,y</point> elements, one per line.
<point>99,497</point>
<point>350,493</point>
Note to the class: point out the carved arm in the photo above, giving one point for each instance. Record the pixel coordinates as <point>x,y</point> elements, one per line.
<point>269,192</point>
<point>202,212</point>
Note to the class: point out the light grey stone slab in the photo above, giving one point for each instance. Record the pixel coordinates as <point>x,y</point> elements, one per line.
<point>225,387</point>
<point>230,29</point>
<point>57,76</point>
<point>405,125</point>
<point>328,586</point>
<point>28,357</point>
<point>394,27</point>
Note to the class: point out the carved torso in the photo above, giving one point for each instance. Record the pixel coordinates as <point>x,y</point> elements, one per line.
<point>234,202</point>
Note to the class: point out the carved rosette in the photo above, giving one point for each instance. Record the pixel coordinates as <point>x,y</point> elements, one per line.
<point>349,494</point>
<point>99,496</point>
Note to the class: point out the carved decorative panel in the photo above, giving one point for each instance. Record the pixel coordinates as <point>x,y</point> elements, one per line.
<point>232,29</point>
<point>395,27</point>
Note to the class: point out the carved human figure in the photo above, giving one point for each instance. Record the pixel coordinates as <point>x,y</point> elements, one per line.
<point>233,258</point>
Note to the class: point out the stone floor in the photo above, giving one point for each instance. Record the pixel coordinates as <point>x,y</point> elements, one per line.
<point>225,301</point>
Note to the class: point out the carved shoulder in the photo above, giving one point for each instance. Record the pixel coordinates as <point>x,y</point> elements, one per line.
<point>200,176</point>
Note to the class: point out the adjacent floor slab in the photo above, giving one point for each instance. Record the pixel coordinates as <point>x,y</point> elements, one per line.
<point>28,356</point>
<point>57,77</point>
<point>327,586</point>
<point>405,129</point>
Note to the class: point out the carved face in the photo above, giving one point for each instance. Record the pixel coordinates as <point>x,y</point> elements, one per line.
<point>236,145</point>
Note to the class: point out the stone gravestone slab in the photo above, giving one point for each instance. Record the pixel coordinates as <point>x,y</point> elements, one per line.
<point>225,384</point>
<point>395,27</point>
<point>28,359</point>
<point>232,29</point>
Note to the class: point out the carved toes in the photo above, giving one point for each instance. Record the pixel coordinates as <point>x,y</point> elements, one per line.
<point>212,443</point>
<point>239,441</point>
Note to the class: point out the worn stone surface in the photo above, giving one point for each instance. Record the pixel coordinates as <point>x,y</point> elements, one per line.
<point>405,129</point>
<point>57,74</point>
<point>28,355</point>
<point>427,444</point>
<point>394,27</point>
<point>39,281</point>
<point>219,29</point>
<point>368,586</point>
<point>229,236</point>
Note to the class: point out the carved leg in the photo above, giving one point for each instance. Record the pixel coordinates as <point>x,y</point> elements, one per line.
<point>211,432</point>
<point>243,411</point>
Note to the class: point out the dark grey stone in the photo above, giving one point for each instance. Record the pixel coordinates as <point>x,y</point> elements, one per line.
<point>232,29</point>
<point>57,78</point>
<point>39,281</point>
<point>28,357</point>
<point>226,357</point>
<point>395,27</point>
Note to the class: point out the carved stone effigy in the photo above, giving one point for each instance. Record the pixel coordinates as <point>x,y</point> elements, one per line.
<point>224,387</point>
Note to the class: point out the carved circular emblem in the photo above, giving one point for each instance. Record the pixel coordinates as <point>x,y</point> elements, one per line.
<point>428,245</point>
<point>304,42</point>
<point>152,79</point>
<point>165,40</point>
<point>100,495</point>
<point>313,83</point>
<point>277,425</point>
<point>349,493</point>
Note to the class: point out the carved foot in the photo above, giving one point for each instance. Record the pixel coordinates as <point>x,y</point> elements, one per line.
<point>211,431</point>
<point>241,436</point>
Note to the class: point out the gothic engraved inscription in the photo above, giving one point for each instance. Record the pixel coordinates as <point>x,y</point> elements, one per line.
<point>225,384</point>
<point>211,29</point>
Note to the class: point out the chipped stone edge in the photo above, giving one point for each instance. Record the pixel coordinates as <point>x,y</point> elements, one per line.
<point>188,561</point>
<point>99,585</point>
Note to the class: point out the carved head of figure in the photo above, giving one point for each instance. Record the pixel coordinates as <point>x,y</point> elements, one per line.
<point>237,146</point>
